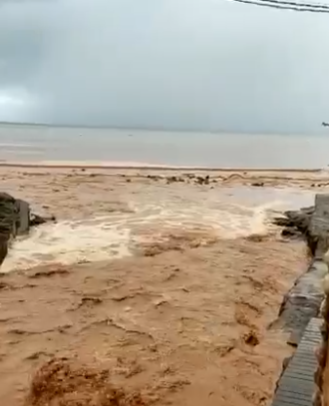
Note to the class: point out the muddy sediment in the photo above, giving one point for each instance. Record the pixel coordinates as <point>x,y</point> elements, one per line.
<point>183,319</point>
<point>62,382</point>
<point>218,301</point>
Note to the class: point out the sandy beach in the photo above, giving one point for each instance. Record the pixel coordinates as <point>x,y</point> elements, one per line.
<point>153,287</point>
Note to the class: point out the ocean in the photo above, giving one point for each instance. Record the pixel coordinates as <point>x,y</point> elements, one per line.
<point>223,212</point>
<point>33,143</point>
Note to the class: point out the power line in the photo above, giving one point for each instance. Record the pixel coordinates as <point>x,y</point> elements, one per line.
<point>288,5</point>
<point>302,5</point>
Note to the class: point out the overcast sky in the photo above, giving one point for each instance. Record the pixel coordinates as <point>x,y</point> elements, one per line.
<point>193,64</point>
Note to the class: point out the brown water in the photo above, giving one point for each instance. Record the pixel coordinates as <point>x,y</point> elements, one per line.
<point>149,213</point>
<point>177,309</point>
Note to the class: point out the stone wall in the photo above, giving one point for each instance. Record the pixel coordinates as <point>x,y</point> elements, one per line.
<point>321,396</point>
<point>319,228</point>
<point>303,301</point>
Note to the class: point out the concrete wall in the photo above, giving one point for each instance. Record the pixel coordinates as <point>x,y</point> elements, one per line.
<point>321,395</point>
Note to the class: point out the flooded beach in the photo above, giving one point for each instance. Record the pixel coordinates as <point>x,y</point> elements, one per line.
<point>133,252</point>
<point>105,215</point>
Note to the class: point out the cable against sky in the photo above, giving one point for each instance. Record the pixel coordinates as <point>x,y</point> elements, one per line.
<point>289,5</point>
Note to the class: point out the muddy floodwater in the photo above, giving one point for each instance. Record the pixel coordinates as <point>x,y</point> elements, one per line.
<point>169,286</point>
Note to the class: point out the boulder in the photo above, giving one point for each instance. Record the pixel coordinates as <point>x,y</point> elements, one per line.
<point>296,223</point>
<point>36,220</point>
<point>310,222</point>
<point>15,219</point>
<point>8,222</point>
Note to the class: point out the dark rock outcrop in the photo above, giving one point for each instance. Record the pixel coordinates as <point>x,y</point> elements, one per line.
<point>203,180</point>
<point>258,184</point>
<point>8,222</point>
<point>173,179</point>
<point>310,222</point>
<point>303,300</point>
<point>297,219</point>
<point>36,220</point>
<point>15,219</point>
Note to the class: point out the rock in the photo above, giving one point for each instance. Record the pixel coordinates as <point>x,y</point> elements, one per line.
<point>297,223</point>
<point>36,220</point>
<point>15,219</point>
<point>300,219</point>
<point>8,212</point>
<point>283,222</point>
<point>154,177</point>
<point>200,180</point>
<point>3,249</point>
<point>172,179</point>
<point>258,184</point>
<point>290,232</point>
<point>203,180</point>
<point>8,222</point>
<point>318,228</point>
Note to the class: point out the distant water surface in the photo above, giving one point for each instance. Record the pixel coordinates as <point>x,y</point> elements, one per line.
<point>42,143</point>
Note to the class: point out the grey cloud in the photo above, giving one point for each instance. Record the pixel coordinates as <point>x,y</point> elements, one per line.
<point>193,64</point>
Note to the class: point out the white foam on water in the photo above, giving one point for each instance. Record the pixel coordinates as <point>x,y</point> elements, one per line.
<point>114,236</point>
<point>68,242</point>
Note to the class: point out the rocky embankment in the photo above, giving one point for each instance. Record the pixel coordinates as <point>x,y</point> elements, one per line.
<point>303,301</point>
<point>16,219</point>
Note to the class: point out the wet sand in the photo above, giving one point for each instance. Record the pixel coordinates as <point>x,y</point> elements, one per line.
<point>170,286</point>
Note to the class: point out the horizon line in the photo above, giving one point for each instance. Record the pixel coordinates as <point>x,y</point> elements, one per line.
<point>141,128</point>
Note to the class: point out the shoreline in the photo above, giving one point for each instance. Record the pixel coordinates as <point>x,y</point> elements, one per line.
<point>142,166</point>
